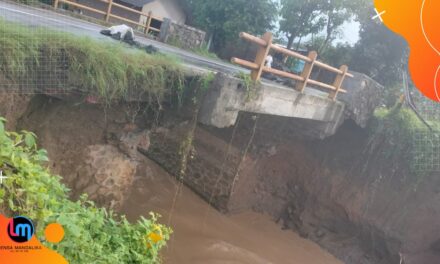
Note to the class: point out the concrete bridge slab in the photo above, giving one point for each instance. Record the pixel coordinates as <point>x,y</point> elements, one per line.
<point>230,95</point>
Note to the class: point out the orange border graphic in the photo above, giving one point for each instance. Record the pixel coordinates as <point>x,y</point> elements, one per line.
<point>417,21</point>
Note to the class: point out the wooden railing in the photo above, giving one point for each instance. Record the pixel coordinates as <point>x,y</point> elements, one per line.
<point>147,27</point>
<point>265,46</point>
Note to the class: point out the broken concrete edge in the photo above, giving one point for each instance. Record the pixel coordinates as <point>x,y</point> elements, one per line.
<point>230,95</point>
<point>363,96</point>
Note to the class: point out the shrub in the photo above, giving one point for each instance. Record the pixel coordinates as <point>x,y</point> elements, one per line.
<point>402,134</point>
<point>93,235</point>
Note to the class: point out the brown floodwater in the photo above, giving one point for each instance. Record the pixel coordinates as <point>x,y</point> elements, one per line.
<point>203,235</point>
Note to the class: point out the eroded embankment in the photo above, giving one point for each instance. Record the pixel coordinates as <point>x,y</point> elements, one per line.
<point>360,194</point>
<point>348,193</point>
<point>357,193</point>
<point>96,151</point>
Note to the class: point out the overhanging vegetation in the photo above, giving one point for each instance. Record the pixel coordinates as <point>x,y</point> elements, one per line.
<point>35,60</point>
<point>401,134</point>
<point>93,235</point>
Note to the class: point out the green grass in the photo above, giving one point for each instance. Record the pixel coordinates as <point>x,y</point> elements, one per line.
<point>111,71</point>
<point>249,85</point>
<point>203,51</point>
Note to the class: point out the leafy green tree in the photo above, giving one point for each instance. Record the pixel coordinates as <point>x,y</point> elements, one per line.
<point>300,18</point>
<point>333,54</point>
<point>380,53</point>
<point>225,19</point>
<point>336,12</point>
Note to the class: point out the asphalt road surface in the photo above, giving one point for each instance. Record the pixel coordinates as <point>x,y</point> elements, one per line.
<point>35,17</point>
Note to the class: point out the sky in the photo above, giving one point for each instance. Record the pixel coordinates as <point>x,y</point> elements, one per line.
<point>350,32</point>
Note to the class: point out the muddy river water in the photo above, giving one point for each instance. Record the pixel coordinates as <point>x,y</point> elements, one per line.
<point>203,235</point>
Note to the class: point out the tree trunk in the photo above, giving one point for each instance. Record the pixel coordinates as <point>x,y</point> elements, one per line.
<point>324,45</point>
<point>208,46</point>
<point>291,38</point>
<point>329,32</point>
<point>299,43</point>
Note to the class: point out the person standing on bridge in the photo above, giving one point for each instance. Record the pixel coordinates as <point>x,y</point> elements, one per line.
<point>268,62</point>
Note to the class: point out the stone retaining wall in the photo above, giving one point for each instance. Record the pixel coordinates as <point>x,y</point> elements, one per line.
<point>181,35</point>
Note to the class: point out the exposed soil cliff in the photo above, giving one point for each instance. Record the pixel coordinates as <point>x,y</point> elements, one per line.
<point>96,151</point>
<point>340,192</point>
<point>345,192</point>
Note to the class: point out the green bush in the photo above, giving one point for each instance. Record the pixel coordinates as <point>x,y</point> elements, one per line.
<point>92,234</point>
<point>406,136</point>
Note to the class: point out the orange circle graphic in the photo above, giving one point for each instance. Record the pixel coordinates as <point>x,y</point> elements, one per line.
<point>54,233</point>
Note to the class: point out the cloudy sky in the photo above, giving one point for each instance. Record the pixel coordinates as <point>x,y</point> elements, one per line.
<point>350,33</point>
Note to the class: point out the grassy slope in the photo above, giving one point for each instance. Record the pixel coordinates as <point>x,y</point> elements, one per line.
<point>108,70</point>
<point>93,235</point>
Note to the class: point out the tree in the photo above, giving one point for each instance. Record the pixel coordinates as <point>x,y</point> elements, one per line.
<point>336,13</point>
<point>333,54</point>
<point>380,53</point>
<point>225,19</point>
<point>300,18</point>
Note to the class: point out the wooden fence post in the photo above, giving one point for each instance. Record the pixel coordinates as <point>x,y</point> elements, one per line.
<point>307,71</point>
<point>109,10</point>
<point>55,4</point>
<point>261,56</point>
<point>338,82</point>
<point>148,24</point>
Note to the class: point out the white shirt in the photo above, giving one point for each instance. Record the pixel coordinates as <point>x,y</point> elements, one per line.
<point>123,29</point>
<point>269,61</point>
